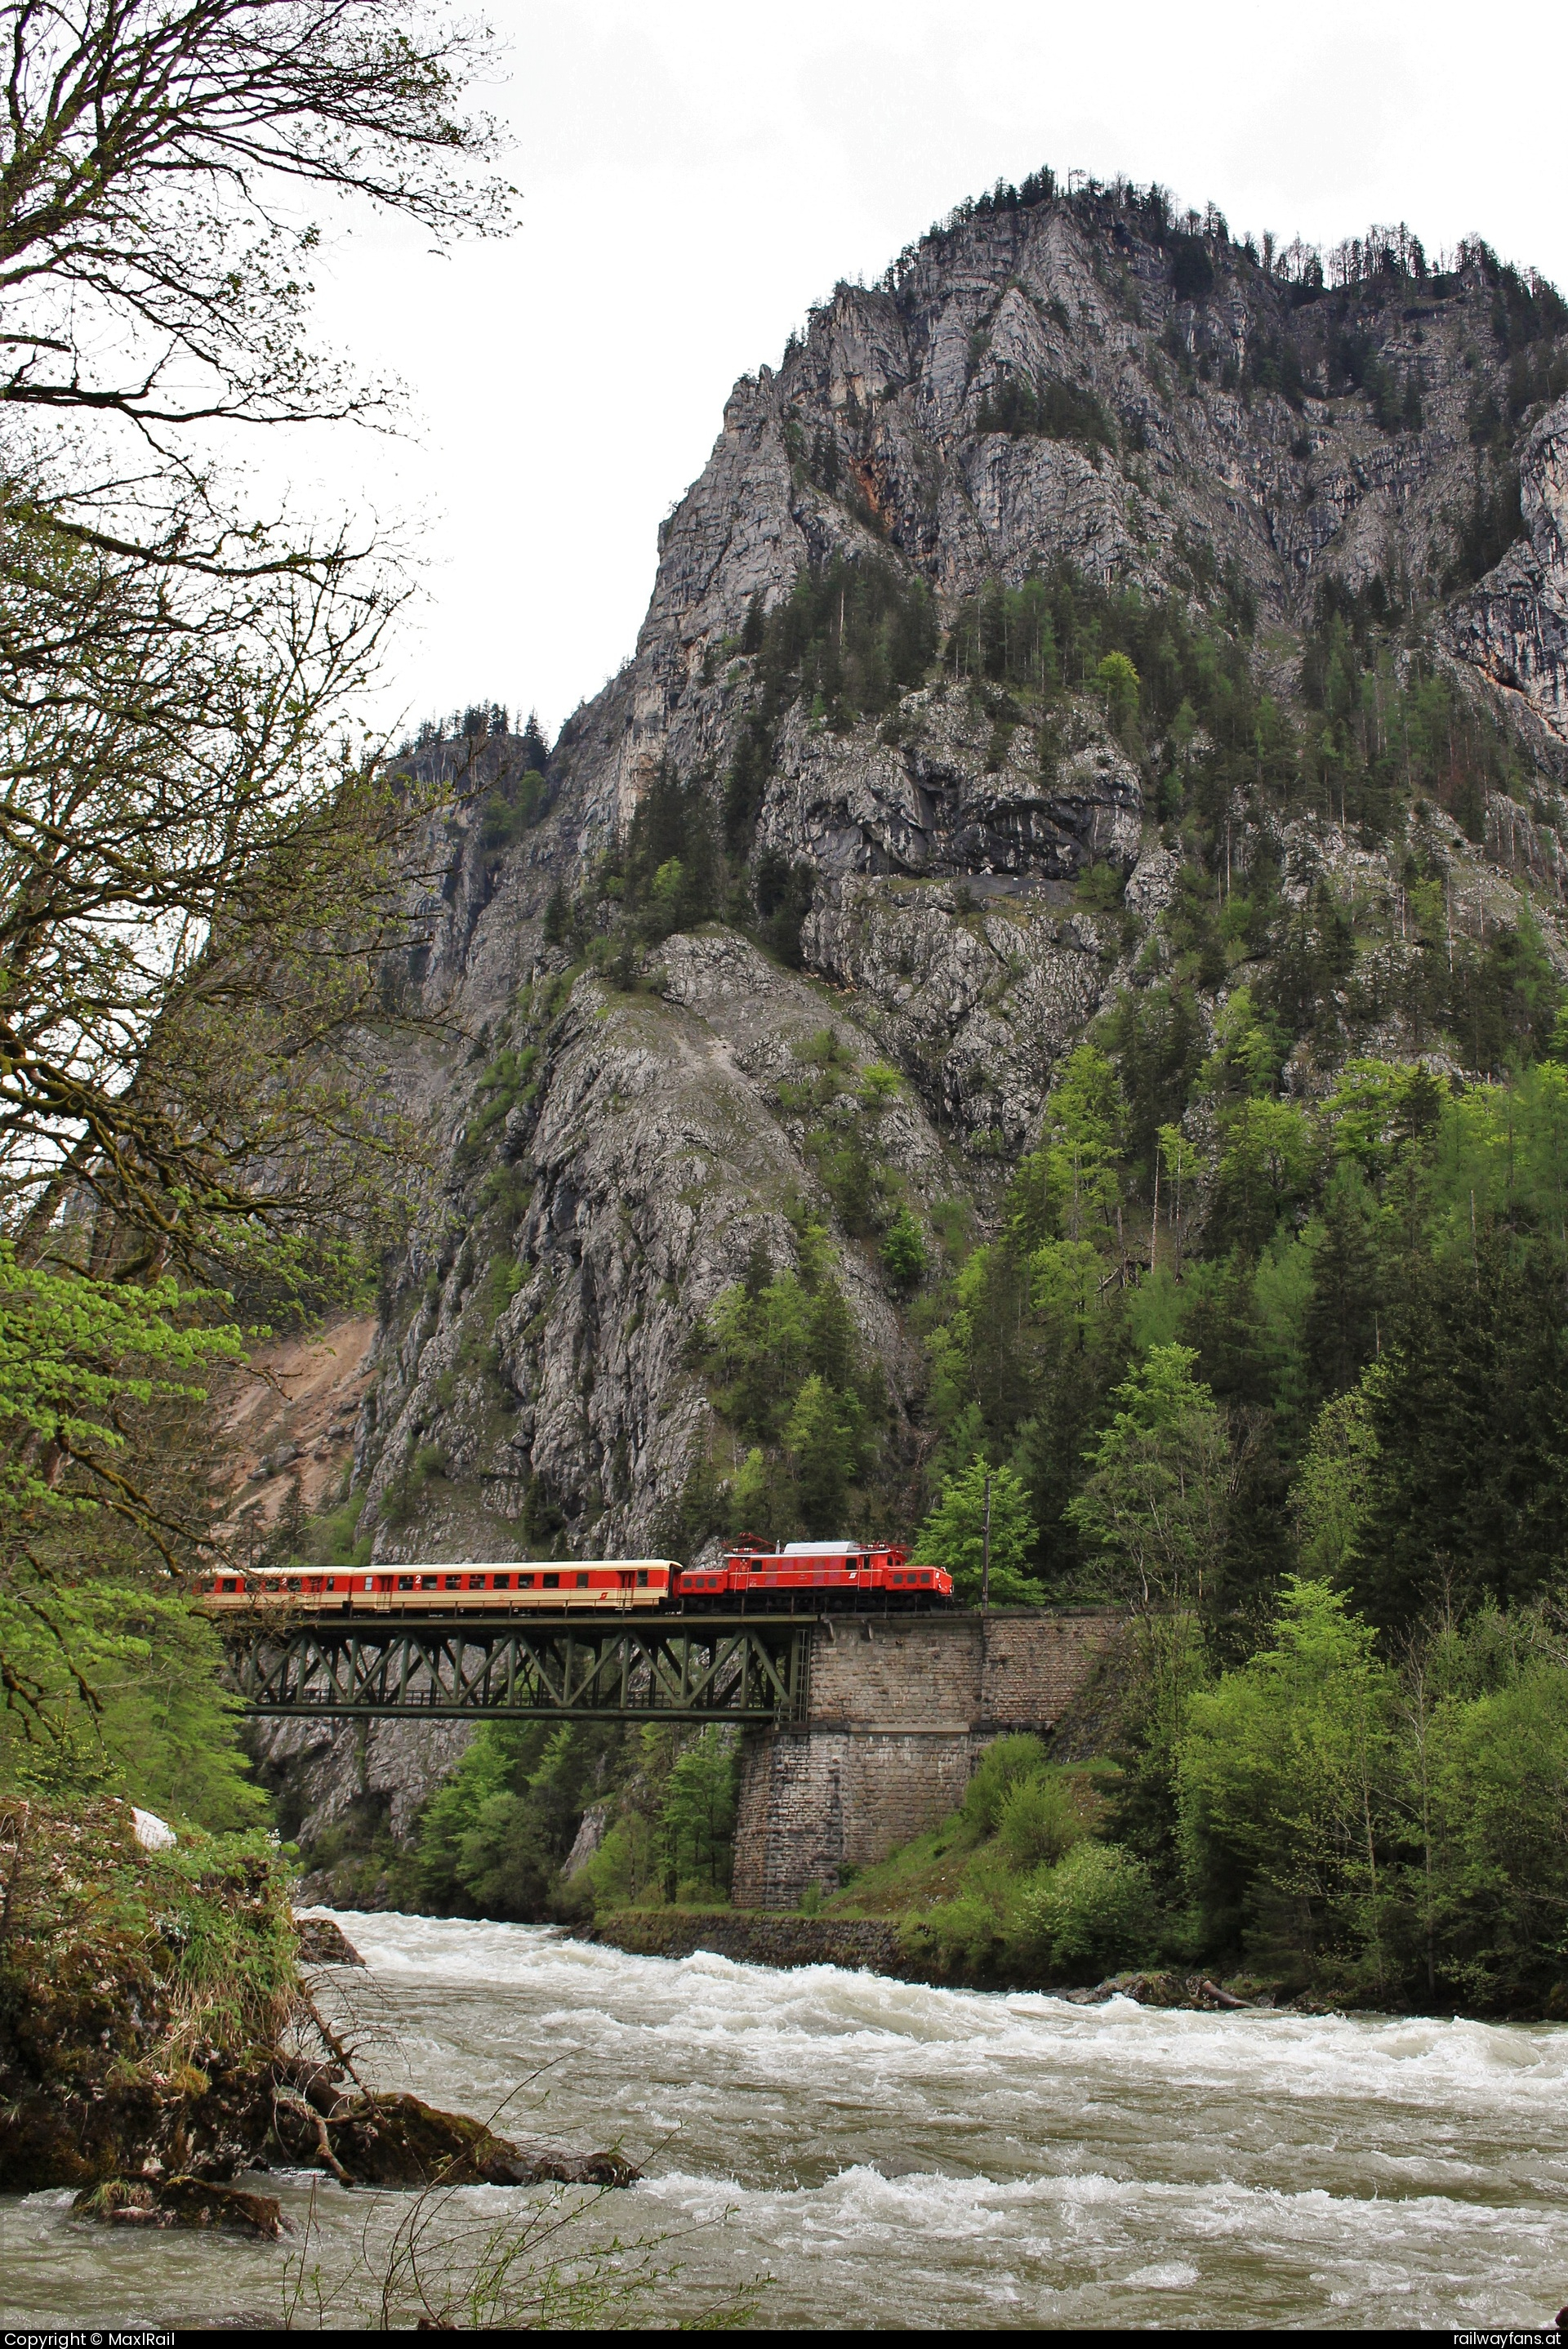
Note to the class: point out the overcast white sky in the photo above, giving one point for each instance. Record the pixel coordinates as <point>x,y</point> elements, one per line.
<point>694,174</point>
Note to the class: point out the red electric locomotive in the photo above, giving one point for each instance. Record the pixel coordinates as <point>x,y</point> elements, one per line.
<point>809,1577</point>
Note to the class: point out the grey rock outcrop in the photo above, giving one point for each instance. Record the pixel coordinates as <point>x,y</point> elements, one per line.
<point>1514,628</point>
<point>334,1769</point>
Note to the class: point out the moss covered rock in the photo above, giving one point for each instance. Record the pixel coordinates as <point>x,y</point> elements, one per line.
<point>180,2202</point>
<point>402,2141</point>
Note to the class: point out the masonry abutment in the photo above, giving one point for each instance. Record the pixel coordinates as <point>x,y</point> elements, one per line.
<point>901,1712</point>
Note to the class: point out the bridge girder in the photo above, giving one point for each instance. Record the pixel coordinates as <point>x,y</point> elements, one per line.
<point>707,1668</point>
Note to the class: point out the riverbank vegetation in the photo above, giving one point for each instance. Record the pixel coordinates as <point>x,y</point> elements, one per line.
<point>143,1995</point>
<point>553,1820</point>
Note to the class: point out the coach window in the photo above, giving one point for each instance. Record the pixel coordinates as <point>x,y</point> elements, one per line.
<point>642,1579</point>
<point>427,1582</point>
<point>405,1582</point>
<point>582,1582</point>
<point>551,1582</point>
<point>454,1583</point>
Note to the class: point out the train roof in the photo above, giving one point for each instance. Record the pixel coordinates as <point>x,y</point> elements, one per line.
<point>461,1566</point>
<point>831,1549</point>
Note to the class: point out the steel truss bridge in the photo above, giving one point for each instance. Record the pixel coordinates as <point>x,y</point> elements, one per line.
<point>752,1668</point>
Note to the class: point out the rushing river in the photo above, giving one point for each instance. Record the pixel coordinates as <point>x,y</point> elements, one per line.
<point>892,2156</point>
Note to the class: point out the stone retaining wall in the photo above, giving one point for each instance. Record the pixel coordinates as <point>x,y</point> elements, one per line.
<point>900,1714</point>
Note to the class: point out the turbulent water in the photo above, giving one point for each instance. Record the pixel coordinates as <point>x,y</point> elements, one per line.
<point>889,2155</point>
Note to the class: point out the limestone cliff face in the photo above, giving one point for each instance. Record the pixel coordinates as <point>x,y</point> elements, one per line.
<point>1514,628</point>
<point>1027,390</point>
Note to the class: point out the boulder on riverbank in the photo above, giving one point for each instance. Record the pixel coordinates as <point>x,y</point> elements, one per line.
<point>1166,1988</point>
<point>180,2202</point>
<point>324,1942</point>
<point>400,2140</point>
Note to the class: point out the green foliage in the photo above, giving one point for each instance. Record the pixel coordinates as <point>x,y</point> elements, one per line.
<point>788,1375</point>
<point>1006,1763</point>
<point>512,810</point>
<point>121,1962</point>
<point>1153,1505</point>
<point>505,1085</point>
<point>404,1492</point>
<point>670,866</point>
<point>1192,270</point>
<point>1384,1827</point>
<point>1038,1822</point>
<point>1497,1917</point>
<point>1278,1770</point>
<point>904,1250</point>
<point>1071,1187</point>
<point>1051,410</point>
<point>851,636</point>
<point>1118,681</point>
<point>333,1537</point>
<point>954,1535</point>
<point>1380,721</point>
<point>123,1698</point>
<point>698,1817</point>
<point>492,1840</point>
<point>73,1353</point>
<point>1093,1912</point>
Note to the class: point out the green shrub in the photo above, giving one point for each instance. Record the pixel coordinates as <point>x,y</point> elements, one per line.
<point>962,1936</point>
<point>1003,1763</point>
<point>1093,1909</point>
<point>904,1250</point>
<point>1038,1821</point>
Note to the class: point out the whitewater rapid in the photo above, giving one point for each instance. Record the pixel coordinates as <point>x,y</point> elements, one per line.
<point>893,2155</point>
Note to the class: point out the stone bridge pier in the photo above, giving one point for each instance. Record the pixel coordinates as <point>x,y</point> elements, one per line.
<point>901,1711</point>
